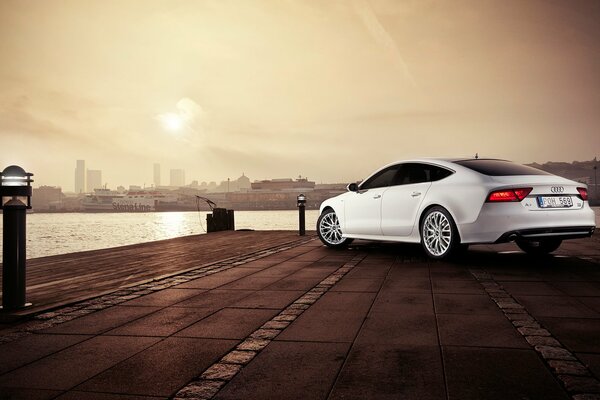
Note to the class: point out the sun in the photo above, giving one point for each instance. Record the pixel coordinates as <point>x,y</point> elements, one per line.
<point>171,122</point>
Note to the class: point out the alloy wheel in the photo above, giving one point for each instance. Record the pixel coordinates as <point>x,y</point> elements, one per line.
<point>437,233</point>
<point>329,228</point>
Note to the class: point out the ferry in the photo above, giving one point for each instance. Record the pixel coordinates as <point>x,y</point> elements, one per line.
<point>133,201</point>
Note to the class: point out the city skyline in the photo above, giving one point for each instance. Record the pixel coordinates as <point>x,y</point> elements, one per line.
<point>329,90</point>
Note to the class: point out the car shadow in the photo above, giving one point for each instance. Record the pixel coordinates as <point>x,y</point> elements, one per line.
<point>505,257</point>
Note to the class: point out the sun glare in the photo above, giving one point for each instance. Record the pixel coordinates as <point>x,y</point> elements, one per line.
<point>172,122</point>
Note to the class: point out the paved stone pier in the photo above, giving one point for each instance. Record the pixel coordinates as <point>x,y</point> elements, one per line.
<point>300,321</point>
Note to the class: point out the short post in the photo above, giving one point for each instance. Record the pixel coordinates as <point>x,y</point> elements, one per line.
<point>221,219</point>
<point>15,200</point>
<point>301,218</point>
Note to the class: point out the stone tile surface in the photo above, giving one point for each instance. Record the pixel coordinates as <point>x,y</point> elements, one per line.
<point>498,374</point>
<point>288,370</point>
<point>72,366</point>
<point>102,321</point>
<point>383,371</point>
<point>229,323</point>
<point>161,369</point>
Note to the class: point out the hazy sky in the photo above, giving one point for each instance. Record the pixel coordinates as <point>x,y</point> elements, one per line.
<point>329,89</point>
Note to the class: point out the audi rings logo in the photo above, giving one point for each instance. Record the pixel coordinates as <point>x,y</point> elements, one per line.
<point>557,189</point>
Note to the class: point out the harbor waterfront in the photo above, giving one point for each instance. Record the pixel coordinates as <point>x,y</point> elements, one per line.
<point>58,233</point>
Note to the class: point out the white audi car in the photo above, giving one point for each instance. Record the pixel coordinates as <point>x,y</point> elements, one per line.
<point>448,204</point>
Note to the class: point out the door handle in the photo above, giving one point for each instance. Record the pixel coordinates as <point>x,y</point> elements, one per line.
<point>377,197</point>
<point>415,194</point>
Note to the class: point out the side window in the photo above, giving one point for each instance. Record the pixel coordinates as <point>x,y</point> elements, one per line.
<point>418,173</point>
<point>412,173</point>
<point>382,179</point>
<point>438,173</point>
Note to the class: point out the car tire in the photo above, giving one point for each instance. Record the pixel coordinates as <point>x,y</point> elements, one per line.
<point>538,247</point>
<point>439,236</point>
<point>329,231</point>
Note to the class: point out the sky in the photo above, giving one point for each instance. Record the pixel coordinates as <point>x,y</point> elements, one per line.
<point>330,90</point>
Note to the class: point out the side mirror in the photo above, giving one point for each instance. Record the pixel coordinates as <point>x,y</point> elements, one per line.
<point>353,187</point>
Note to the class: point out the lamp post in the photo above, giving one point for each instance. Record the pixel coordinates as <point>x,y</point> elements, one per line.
<point>15,200</point>
<point>301,218</point>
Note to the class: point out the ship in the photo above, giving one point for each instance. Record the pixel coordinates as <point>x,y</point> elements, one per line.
<point>106,200</point>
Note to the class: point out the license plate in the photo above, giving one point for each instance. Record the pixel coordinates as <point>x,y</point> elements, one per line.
<point>555,201</point>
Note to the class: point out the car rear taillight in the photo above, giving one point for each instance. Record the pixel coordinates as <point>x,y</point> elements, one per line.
<point>507,195</point>
<point>583,193</point>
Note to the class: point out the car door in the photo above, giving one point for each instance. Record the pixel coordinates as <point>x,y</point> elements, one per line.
<point>402,200</point>
<point>362,209</point>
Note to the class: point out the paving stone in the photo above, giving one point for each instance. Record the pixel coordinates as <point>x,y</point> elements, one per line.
<point>586,396</point>
<point>477,330</point>
<point>377,371</point>
<point>542,341</point>
<point>465,304</point>
<point>30,348</point>
<point>288,370</point>
<point>556,306</point>
<point>27,394</point>
<point>568,367</point>
<point>252,344</point>
<point>221,371</point>
<point>515,311</point>
<point>165,297</point>
<point>530,288</point>
<point>78,395</point>
<point>555,353</point>
<point>498,374</point>
<point>216,298</point>
<point>239,357</point>
<point>591,361</point>
<point>276,325</point>
<point>102,321</point>
<point>265,334</point>
<point>292,311</point>
<point>577,334</point>
<point>286,318</point>
<point>161,369</point>
<point>164,322</point>
<point>200,390</point>
<point>76,364</point>
<point>508,304</point>
<point>533,331</point>
<point>229,323</point>
<point>269,299</point>
<point>526,323</point>
<point>580,384</point>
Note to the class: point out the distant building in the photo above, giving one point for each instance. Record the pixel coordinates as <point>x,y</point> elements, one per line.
<point>80,177</point>
<point>177,178</point>
<point>156,175</point>
<point>46,198</point>
<point>94,180</point>
<point>243,183</point>
<point>299,184</point>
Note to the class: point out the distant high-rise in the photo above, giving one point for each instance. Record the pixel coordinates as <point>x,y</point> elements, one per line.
<point>94,180</point>
<point>156,175</point>
<point>177,177</point>
<point>80,176</point>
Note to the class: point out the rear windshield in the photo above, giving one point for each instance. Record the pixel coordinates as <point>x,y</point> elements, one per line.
<point>500,168</point>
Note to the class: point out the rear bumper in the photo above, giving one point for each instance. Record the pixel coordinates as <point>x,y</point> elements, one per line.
<point>497,223</point>
<point>562,233</point>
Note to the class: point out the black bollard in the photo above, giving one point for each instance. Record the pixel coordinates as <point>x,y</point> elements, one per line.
<point>15,187</point>
<point>13,255</point>
<point>301,218</point>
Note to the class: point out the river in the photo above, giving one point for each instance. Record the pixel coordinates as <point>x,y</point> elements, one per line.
<point>51,234</point>
<point>58,233</point>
